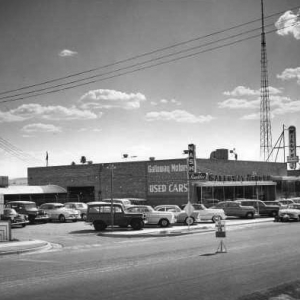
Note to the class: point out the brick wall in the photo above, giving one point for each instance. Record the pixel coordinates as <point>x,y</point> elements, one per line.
<point>133,179</point>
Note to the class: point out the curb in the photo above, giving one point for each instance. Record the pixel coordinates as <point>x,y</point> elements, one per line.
<point>39,245</point>
<point>174,232</point>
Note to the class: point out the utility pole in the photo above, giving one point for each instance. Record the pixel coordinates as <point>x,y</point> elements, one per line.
<point>111,167</point>
<point>265,120</point>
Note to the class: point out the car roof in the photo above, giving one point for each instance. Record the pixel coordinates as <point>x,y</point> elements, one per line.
<point>21,202</point>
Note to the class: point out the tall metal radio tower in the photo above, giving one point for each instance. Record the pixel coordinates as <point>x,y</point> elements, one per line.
<point>265,120</point>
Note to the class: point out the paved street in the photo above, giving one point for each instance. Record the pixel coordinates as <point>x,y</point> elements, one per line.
<point>92,266</point>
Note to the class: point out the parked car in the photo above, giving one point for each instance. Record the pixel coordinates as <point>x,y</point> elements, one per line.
<point>35,214</point>
<point>208,214</point>
<point>99,214</point>
<point>291,213</point>
<point>274,202</point>
<point>261,208</point>
<point>180,214</point>
<point>285,202</point>
<point>235,209</point>
<point>80,206</point>
<point>15,218</point>
<point>296,200</point>
<point>125,202</point>
<point>57,211</point>
<point>161,218</point>
<point>210,202</point>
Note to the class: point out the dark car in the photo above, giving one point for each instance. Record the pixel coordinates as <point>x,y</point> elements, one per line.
<point>99,214</point>
<point>29,208</point>
<point>234,209</point>
<point>15,218</point>
<point>262,208</point>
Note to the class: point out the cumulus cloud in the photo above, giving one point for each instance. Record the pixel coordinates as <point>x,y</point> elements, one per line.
<point>67,52</point>
<point>234,103</point>
<point>9,117</point>
<point>179,116</point>
<point>110,99</point>
<point>289,74</point>
<point>242,91</point>
<point>254,116</point>
<point>33,110</point>
<point>39,127</point>
<point>289,23</point>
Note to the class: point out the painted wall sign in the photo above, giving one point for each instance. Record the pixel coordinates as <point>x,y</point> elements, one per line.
<point>164,178</point>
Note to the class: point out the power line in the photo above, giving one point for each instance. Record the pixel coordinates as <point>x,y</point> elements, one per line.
<point>18,153</point>
<point>145,54</point>
<point>8,99</point>
<point>66,87</point>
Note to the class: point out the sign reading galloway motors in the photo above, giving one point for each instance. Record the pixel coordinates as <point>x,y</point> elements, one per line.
<point>167,178</point>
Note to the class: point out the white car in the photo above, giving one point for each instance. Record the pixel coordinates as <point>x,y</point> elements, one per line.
<point>57,211</point>
<point>209,214</point>
<point>161,218</point>
<point>81,206</point>
<point>291,213</point>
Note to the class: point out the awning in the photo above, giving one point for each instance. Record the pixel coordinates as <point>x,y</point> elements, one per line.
<point>32,189</point>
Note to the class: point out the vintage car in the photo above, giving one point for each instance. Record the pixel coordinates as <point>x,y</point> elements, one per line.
<point>29,208</point>
<point>80,206</point>
<point>235,209</point>
<point>15,218</point>
<point>57,211</point>
<point>103,214</point>
<point>291,213</point>
<point>160,218</point>
<point>208,214</point>
<point>181,215</point>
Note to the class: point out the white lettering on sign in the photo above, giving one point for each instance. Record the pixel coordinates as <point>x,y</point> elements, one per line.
<point>168,188</point>
<point>166,168</point>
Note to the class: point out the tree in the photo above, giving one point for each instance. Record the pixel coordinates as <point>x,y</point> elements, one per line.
<point>73,163</point>
<point>83,159</point>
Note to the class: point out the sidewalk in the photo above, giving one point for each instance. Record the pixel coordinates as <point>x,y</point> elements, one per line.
<point>19,247</point>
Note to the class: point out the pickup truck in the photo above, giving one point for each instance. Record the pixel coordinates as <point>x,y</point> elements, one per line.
<point>261,208</point>
<point>99,215</point>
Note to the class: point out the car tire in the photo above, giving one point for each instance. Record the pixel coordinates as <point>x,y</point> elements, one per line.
<point>137,224</point>
<point>216,218</point>
<point>186,220</point>
<point>250,215</point>
<point>62,219</point>
<point>83,217</point>
<point>23,225</point>
<point>74,221</point>
<point>100,225</point>
<point>164,223</point>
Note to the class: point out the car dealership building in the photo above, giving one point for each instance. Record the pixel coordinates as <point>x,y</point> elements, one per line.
<point>164,181</point>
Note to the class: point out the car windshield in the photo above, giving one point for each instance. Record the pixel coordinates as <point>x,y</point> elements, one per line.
<point>30,205</point>
<point>294,206</point>
<point>58,206</point>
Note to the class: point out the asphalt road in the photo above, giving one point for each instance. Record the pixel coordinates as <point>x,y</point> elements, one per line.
<point>258,258</point>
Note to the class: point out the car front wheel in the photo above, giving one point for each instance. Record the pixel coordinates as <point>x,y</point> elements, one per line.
<point>100,226</point>
<point>62,218</point>
<point>137,224</point>
<point>164,223</point>
<point>249,215</point>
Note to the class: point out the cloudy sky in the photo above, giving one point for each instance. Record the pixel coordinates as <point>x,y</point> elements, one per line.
<point>142,77</point>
